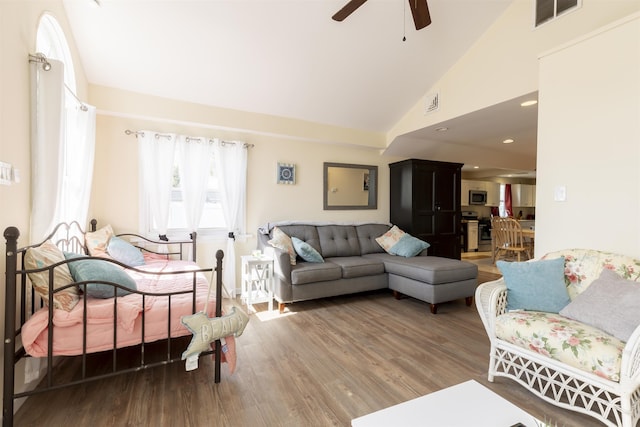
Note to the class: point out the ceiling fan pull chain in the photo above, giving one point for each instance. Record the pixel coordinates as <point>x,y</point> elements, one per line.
<point>404,22</point>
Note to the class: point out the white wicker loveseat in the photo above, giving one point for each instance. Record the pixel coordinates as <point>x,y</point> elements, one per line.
<point>566,360</point>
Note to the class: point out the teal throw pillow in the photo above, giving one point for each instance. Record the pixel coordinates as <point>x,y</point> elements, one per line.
<point>123,251</point>
<point>408,246</point>
<point>98,269</point>
<point>306,251</point>
<point>535,285</point>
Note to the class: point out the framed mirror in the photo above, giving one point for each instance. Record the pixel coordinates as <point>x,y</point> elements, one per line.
<point>348,186</point>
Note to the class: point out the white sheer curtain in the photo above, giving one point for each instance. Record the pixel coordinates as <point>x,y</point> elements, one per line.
<point>195,156</point>
<point>156,154</point>
<point>231,166</point>
<point>80,141</point>
<point>62,152</point>
<point>47,111</point>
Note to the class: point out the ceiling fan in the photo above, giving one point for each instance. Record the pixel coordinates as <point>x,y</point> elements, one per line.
<point>419,10</point>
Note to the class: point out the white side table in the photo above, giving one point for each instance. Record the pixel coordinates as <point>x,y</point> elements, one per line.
<point>257,280</point>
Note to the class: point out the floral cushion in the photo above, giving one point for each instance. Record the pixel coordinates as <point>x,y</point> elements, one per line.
<point>97,242</point>
<point>43,256</point>
<point>568,341</point>
<point>583,266</point>
<point>282,241</point>
<point>390,238</point>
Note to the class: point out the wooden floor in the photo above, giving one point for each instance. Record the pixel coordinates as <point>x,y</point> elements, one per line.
<point>322,363</point>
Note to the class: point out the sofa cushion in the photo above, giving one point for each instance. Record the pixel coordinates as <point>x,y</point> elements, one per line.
<point>610,303</point>
<point>429,269</point>
<point>311,272</point>
<point>568,341</point>
<point>338,240</point>
<point>367,235</point>
<point>306,251</point>
<point>358,266</point>
<point>535,285</point>
<point>306,233</point>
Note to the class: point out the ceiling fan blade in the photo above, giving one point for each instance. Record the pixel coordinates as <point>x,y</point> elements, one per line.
<point>348,9</point>
<point>420,12</point>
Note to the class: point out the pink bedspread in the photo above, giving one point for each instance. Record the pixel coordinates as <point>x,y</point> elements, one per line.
<point>67,331</point>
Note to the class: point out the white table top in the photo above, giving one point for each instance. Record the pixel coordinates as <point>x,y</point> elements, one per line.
<point>256,259</point>
<point>462,405</point>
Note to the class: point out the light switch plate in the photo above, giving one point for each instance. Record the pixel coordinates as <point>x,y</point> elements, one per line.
<point>560,193</point>
<point>6,173</point>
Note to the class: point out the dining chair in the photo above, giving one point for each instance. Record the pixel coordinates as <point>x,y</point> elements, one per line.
<point>508,238</point>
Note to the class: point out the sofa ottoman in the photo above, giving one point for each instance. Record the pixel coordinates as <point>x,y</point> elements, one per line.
<point>430,279</point>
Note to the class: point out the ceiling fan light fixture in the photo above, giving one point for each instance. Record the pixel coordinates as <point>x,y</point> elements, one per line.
<point>419,11</point>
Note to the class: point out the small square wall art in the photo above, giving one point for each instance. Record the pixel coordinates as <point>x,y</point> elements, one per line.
<point>286,173</point>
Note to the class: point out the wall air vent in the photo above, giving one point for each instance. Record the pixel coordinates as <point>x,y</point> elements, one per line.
<point>432,102</point>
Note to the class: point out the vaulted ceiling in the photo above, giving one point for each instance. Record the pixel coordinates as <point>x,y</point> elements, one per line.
<point>286,57</point>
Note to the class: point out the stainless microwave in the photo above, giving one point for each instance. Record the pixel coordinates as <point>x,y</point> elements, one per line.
<point>477,197</point>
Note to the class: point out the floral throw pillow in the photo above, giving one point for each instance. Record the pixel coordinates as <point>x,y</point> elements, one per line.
<point>98,241</point>
<point>390,238</point>
<point>43,256</point>
<point>282,241</point>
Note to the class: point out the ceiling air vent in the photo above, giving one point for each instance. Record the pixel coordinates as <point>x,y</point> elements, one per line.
<point>432,102</point>
<point>548,10</point>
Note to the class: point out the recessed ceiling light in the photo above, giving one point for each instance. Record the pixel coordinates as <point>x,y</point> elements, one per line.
<point>507,141</point>
<point>442,129</point>
<point>529,103</point>
<point>476,167</point>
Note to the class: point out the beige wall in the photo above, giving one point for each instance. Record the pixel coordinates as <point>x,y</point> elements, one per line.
<point>589,143</point>
<point>115,186</point>
<point>18,26</point>
<point>503,63</point>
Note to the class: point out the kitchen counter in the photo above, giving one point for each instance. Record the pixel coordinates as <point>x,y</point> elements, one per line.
<point>527,224</point>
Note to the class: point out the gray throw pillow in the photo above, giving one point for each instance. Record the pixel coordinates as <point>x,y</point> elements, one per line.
<point>610,303</point>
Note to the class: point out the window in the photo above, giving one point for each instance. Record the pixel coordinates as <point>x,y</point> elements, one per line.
<point>64,135</point>
<point>547,10</point>
<point>502,209</point>
<point>51,42</point>
<point>212,220</point>
<point>191,183</point>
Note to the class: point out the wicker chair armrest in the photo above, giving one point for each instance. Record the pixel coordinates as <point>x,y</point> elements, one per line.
<point>491,301</point>
<point>630,365</point>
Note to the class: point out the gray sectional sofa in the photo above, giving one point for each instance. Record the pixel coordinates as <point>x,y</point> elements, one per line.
<point>355,262</point>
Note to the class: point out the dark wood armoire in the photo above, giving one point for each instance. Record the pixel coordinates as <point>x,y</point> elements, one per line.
<point>425,202</point>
